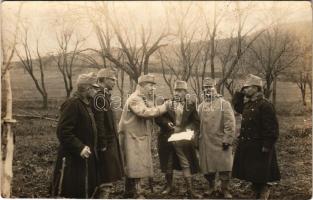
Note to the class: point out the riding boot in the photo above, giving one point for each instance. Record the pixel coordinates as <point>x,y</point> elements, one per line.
<point>225,189</point>
<point>191,193</point>
<point>169,183</point>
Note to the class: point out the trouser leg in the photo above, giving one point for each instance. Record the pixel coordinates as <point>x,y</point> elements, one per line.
<point>138,190</point>
<point>225,178</point>
<point>129,188</point>
<point>257,188</point>
<point>265,192</point>
<point>184,163</point>
<point>210,177</point>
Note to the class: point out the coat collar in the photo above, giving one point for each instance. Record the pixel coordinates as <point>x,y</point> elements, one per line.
<point>256,96</point>
<point>81,98</point>
<point>212,98</point>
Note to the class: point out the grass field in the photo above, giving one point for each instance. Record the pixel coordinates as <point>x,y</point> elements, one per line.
<point>24,89</point>
<point>36,144</point>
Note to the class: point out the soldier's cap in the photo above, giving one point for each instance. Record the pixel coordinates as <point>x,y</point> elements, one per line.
<point>106,73</point>
<point>252,80</point>
<point>147,78</point>
<point>209,82</point>
<point>86,79</point>
<point>180,85</point>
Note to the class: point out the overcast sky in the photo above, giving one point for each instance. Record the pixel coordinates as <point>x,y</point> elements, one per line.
<point>42,18</point>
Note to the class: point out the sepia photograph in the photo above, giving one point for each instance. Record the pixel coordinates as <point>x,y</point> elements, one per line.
<point>156,99</point>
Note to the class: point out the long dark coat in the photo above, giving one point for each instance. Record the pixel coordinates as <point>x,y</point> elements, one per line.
<point>76,128</point>
<point>259,128</point>
<point>167,156</point>
<point>110,160</point>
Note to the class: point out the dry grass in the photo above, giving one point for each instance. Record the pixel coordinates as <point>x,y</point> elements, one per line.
<point>36,145</point>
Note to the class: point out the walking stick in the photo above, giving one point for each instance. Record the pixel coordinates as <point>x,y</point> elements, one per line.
<point>61,177</point>
<point>150,180</point>
<point>86,178</point>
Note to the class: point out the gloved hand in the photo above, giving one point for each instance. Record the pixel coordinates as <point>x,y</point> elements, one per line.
<point>168,104</point>
<point>265,150</point>
<point>85,153</point>
<point>225,146</point>
<point>171,125</point>
<point>103,148</point>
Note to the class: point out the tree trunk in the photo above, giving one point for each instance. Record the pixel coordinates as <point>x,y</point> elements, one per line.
<point>45,101</point>
<point>132,85</point>
<point>267,89</point>
<point>68,93</point>
<point>122,87</point>
<point>7,142</point>
<point>212,69</point>
<point>310,87</point>
<point>222,84</point>
<point>212,55</point>
<point>146,66</point>
<point>303,97</point>
<point>274,91</point>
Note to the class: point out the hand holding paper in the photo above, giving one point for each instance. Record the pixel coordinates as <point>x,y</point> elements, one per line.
<point>187,135</point>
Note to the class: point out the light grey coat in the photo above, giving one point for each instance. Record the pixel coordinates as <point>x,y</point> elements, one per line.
<point>135,135</point>
<point>217,126</point>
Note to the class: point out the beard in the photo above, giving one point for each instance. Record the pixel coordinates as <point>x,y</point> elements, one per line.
<point>210,94</point>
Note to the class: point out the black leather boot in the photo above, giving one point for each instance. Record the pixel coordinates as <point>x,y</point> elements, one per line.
<point>129,188</point>
<point>169,183</point>
<point>191,193</point>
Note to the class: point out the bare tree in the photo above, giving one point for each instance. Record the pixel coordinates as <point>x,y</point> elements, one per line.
<point>29,64</point>
<point>137,54</point>
<point>69,47</point>
<point>209,44</point>
<point>301,73</point>
<point>7,136</point>
<point>180,59</point>
<point>8,45</point>
<point>309,82</point>
<point>169,76</point>
<point>274,52</point>
<point>301,82</point>
<point>236,48</point>
<point>121,82</point>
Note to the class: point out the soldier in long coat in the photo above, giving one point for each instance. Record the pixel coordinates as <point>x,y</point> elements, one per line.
<point>217,131</point>
<point>135,135</point>
<point>180,155</point>
<point>75,174</point>
<point>255,157</point>
<point>110,160</point>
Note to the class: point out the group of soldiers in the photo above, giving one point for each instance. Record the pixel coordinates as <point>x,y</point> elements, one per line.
<point>94,152</point>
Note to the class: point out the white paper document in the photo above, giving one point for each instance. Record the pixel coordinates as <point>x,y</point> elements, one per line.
<point>187,135</point>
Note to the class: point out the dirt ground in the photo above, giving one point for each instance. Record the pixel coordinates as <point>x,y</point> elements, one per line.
<point>36,146</point>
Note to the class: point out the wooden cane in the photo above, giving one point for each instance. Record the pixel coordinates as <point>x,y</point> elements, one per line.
<point>86,178</point>
<point>61,177</point>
